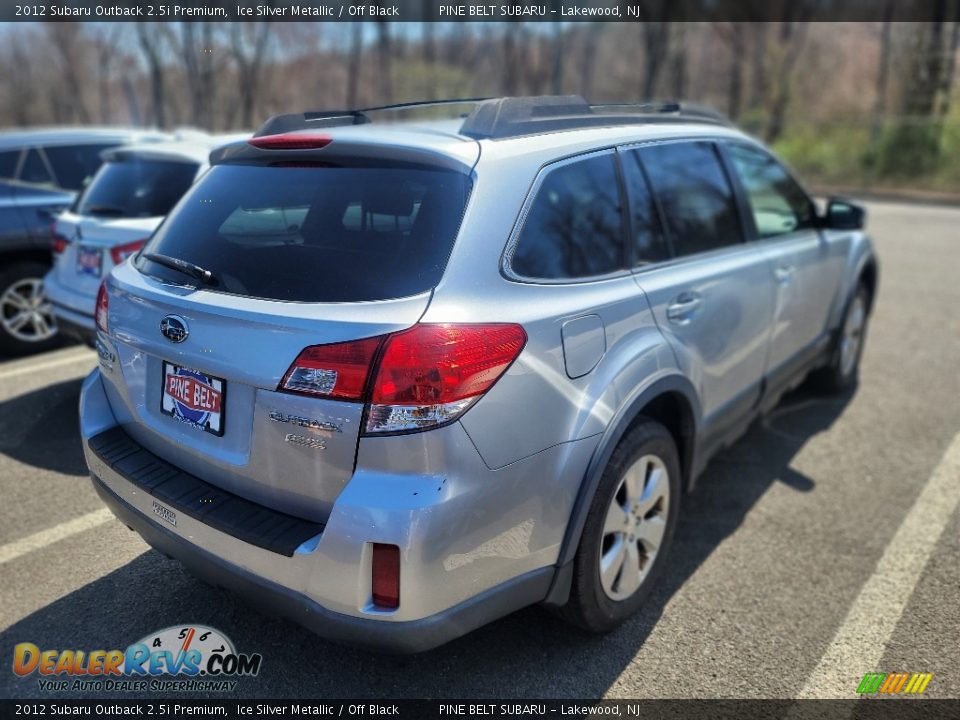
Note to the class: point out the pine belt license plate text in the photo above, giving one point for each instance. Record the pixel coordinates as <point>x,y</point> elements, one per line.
<point>89,261</point>
<point>193,397</point>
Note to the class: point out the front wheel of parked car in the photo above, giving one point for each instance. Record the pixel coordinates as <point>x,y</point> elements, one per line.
<point>841,373</point>
<point>628,530</point>
<point>26,320</point>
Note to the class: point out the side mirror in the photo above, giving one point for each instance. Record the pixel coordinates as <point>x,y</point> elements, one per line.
<point>843,215</point>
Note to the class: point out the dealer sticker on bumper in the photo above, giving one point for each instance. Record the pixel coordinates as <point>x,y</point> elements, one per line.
<point>164,513</point>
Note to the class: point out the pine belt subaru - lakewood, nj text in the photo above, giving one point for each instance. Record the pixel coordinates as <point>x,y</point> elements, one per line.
<point>396,380</point>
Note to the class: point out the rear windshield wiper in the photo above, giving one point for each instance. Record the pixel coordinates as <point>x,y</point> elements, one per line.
<point>185,267</point>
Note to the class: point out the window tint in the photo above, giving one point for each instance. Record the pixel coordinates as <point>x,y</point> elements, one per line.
<point>697,202</point>
<point>74,165</point>
<point>574,227</point>
<point>8,163</point>
<point>34,169</point>
<point>777,203</point>
<point>134,187</point>
<point>648,239</point>
<point>315,234</point>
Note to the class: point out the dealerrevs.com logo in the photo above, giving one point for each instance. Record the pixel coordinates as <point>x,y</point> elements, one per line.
<point>179,658</point>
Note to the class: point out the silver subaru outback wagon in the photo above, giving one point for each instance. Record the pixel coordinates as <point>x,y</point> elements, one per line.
<point>396,380</point>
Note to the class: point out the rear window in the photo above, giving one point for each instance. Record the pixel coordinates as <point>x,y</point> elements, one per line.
<point>136,188</point>
<point>315,234</point>
<point>74,165</point>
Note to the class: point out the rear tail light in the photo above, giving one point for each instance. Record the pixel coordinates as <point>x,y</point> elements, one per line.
<point>58,243</point>
<point>103,300</point>
<point>412,380</point>
<point>386,576</point>
<point>122,252</point>
<point>291,141</point>
<point>334,371</point>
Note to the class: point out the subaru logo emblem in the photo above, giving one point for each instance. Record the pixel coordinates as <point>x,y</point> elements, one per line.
<point>174,328</point>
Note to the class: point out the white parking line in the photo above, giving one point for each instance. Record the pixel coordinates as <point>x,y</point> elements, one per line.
<point>12,551</point>
<point>36,367</point>
<point>859,644</point>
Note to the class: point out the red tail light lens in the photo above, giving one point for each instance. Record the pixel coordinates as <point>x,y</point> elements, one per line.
<point>430,374</point>
<point>334,371</point>
<point>122,252</point>
<point>100,314</point>
<point>58,243</point>
<point>291,141</point>
<point>430,364</point>
<point>386,576</point>
<point>425,376</point>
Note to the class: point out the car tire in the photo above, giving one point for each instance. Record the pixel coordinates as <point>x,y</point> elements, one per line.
<point>840,374</point>
<point>21,295</point>
<point>641,485</point>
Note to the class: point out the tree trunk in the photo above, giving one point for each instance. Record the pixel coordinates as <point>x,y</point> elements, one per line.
<point>588,62</point>
<point>384,62</point>
<point>883,75</point>
<point>353,66</point>
<point>150,47</point>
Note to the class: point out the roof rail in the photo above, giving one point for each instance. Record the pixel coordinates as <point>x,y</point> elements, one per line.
<point>511,116</point>
<point>291,122</point>
<point>517,116</point>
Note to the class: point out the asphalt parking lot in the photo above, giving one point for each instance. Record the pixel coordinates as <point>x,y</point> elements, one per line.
<point>822,546</point>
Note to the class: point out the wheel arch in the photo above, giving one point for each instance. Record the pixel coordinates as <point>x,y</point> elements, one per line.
<point>671,400</point>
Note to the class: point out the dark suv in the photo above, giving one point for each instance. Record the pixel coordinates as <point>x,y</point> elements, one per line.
<point>40,173</point>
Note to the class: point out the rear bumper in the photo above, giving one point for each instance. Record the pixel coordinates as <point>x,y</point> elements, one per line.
<point>400,637</point>
<point>475,544</point>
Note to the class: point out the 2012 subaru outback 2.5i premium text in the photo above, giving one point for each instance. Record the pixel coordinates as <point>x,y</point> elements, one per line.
<point>398,380</point>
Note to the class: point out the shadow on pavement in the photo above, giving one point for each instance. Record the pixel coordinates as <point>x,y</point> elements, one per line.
<point>42,428</point>
<point>516,657</point>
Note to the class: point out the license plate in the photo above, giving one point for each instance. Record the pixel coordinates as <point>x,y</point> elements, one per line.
<point>89,261</point>
<point>194,398</point>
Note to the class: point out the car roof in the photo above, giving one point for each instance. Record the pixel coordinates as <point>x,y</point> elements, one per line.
<point>46,136</point>
<point>194,149</point>
<point>443,137</point>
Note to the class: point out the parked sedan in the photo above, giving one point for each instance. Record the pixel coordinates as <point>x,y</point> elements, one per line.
<point>112,219</point>
<point>40,174</point>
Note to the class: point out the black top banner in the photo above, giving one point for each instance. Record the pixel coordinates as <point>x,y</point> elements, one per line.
<point>461,11</point>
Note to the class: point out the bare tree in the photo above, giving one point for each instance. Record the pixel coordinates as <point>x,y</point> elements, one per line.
<point>883,74</point>
<point>195,46</point>
<point>248,48</point>
<point>732,34</point>
<point>151,42</point>
<point>384,61</point>
<point>68,38</point>
<point>588,62</point>
<point>790,39</point>
<point>353,63</point>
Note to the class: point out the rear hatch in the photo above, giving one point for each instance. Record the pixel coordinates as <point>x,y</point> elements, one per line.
<point>299,253</point>
<point>90,248</point>
<point>113,217</point>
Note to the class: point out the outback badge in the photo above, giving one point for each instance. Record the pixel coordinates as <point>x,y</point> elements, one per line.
<point>174,328</point>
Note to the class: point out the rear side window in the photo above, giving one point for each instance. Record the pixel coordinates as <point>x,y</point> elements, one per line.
<point>695,195</point>
<point>35,170</point>
<point>136,188</point>
<point>650,245</point>
<point>74,165</point>
<point>574,227</point>
<point>778,205</point>
<point>315,234</point>
<point>8,163</point>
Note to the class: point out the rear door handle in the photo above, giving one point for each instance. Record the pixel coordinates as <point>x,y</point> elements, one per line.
<point>784,274</point>
<point>683,308</point>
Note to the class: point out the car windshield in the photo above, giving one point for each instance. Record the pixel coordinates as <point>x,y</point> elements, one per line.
<point>315,234</point>
<point>136,188</point>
